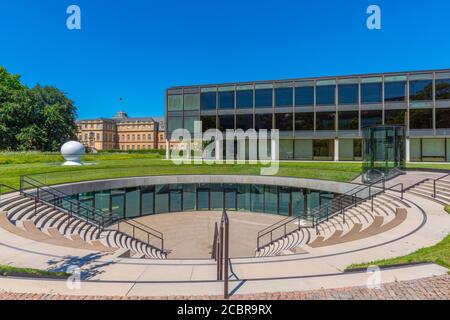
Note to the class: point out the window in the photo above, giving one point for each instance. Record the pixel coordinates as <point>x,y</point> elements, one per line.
<point>191,101</point>
<point>208,101</point>
<point>263,98</point>
<point>138,137</point>
<point>371,118</point>
<point>304,96</point>
<point>443,89</point>
<point>394,91</point>
<point>421,119</point>
<point>348,94</point>
<point>175,102</point>
<point>284,97</point>
<point>348,120</point>
<point>263,121</point>
<point>325,120</point>
<point>244,99</point>
<point>208,122</point>
<point>442,118</point>
<point>304,121</point>
<point>284,121</point>
<point>421,90</point>
<point>371,93</point>
<point>189,123</point>
<point>323,149</point>
<point>173,123</point>
<point>244,121</point>
<point>226,122</point>
<point>286,150</point>
<point>395,117</point>
<point>226,100</point>
<point>326,95</point>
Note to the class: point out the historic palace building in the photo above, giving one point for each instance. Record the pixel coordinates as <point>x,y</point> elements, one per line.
<point>121,132</point>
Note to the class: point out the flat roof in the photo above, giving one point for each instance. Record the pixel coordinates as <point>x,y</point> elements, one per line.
<point>310,78</point>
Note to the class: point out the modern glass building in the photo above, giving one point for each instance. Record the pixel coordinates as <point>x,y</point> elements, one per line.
<point>323,118</point>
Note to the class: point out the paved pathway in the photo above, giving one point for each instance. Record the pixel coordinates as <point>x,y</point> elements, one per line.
<point>433,288</point>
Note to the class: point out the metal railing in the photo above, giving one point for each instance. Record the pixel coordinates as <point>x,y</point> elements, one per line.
<point>142,233</point>
<point>42,193</point>
<point>312,219</point>
<point>221,246</point>
<point>428,179</point>
<point>4,189</point>
<point>50,196</point>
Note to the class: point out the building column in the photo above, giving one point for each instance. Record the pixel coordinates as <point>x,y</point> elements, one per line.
<point>167,150</point>
<point>274,149</point>
<point>336,149</point>
<point>219,149</point>
<point>407,149</point>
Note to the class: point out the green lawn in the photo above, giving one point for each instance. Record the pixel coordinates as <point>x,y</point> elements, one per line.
<point>14,271</point>
<point>439,254</point>
<point>127,165</point>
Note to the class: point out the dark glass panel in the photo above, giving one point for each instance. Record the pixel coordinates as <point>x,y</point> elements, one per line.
<point>421,119</point>
<point>304,96</point>
<point>348,120</point>
<point>371,118</point>
<point>348,94</point>
<point>304,121</point>
<point>263,98</point>
<point>284,121</point>
<point>174,123</point>
<point>244,99</point>
<point>226,100</point>
<point>263,121</point>
<point>208,122</point>
<point>421,90</point>
<point>357,149</point>
<point>395,117</point>
<point>244,121</point>
<point>161,199</point>
<point>208,100</point>
<point>325,95</point>
<point>443,89</point>
<point>442,118</point>
<point>394,91</point>
<point>325,120</point>
<point>147,198</point>
<point>284,97</point>
<point>371,93</point>
<point>323,149</point>
<point>226,122</point>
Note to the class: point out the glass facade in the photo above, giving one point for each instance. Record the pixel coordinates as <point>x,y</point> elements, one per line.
<point>263,98</point>
<point>325,120</point>
<point>208,100</point>
<point>284,97</point>
<point>263,121</point>
<point>348,120</point>
<point>226,100</point>
<point>395,91</point>
<point>158,199</point>
<point>323,150</point>
<point>326,95</point>
<point>348,94</point>
<point>304,96</point>
<point>305,109</point>
<point>284,121</point>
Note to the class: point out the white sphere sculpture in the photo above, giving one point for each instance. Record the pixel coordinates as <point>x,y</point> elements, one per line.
<point>72,151</point>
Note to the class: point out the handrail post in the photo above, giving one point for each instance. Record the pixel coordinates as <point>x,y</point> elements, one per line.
<point>220,251</point>
<point>225,285</point>
<point>372,203</point>
<point>434,188</point>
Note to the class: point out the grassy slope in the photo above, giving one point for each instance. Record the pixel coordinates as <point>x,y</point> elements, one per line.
<point>439,254</point>
<point>108,166</point>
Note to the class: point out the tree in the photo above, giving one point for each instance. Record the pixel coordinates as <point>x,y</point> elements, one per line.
<point>42,118</point>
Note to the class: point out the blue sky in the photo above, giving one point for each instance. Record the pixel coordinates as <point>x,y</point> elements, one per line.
<point>135,49</point>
